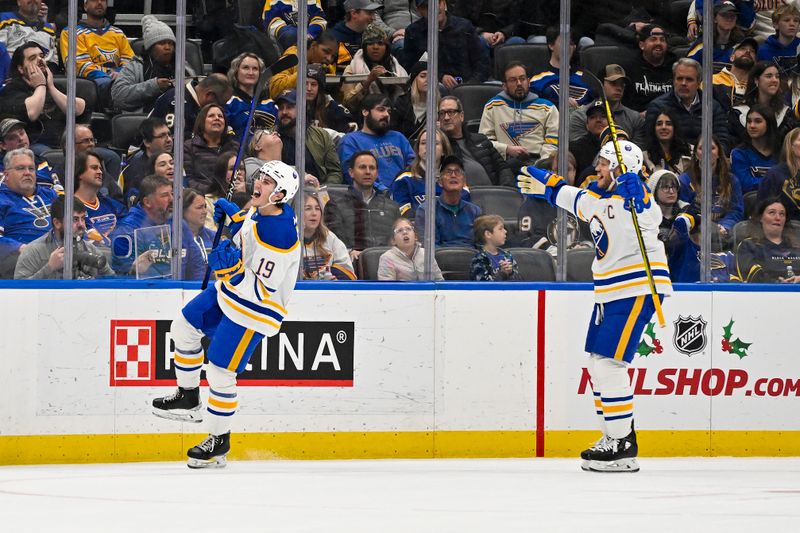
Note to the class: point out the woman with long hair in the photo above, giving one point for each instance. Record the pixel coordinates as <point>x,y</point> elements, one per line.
<point>666,147</point>
<point>727,204</point>
<point>323,110</point>
<point>758,153</point>
<point>763,87</point>
<point>325,256</point>
<point>195,212</point>
<point>244,73</point>
<point>374,59</point>
<point>783,180</point>
<point>408,113</point>
<point>408,189</point>
<point>209,139</point>
<point>161,164</point>
<point>771,254</point>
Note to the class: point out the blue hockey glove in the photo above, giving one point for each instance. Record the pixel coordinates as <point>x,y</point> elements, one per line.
<point>539,183</point>
<point>688,220</point>
<point>631,187</point>
<point>225,208</point>
<point>225,260</point>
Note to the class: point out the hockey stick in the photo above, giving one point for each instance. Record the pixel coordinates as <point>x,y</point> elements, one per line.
<point>284,63</point>
<point>634,216</point>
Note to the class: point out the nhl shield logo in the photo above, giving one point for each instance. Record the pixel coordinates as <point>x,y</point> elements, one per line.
<point>690,335</point>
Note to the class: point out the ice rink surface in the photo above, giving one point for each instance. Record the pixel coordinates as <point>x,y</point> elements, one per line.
<point>481,495</point>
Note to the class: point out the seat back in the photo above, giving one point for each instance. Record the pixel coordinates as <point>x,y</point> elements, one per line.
<point>125,131</point>
<point>454,262</point>
<point>250,12</point>
<point>194,55</point>
<point>473,97</point>
<point>498,200</point>
<point>56,159</point>
<point>743,230</point>
<point>535,57</point>
<point>594,58</point>
<point>368,262</point>
<point>84,88</point>
<point>750,202</point>
<point>579,264</point>
<point>533,264</point>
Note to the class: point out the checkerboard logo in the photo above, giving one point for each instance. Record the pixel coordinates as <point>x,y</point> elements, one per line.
<point>133,351</point>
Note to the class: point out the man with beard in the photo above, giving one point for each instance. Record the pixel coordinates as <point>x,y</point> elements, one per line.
<point>730,85</point>
<point>651,75</point>
<point>321,159</point>
<point>391,149</point>
<point>521,125</point>
<point>29,23</point>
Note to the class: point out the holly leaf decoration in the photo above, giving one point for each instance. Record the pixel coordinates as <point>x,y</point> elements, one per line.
<point>739,347</point>
<point>644,350</point>
<point>728,330</point>
<point>650,330</point>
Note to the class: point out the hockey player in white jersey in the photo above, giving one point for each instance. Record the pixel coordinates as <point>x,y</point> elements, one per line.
<point>623,302</point>
<point>256,272</point>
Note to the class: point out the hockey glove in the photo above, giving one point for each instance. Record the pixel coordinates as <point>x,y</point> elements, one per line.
<point>539,183</point>
<point>225,260</point>
<point>688,220</point>
<point>631,187</point>
<point>225,208</point>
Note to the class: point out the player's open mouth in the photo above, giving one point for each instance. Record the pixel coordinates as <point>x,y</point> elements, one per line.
<point>256,194</point>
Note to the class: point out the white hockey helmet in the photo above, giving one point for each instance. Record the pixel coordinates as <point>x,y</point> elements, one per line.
<point>286,179</point>
<point>632,156</point>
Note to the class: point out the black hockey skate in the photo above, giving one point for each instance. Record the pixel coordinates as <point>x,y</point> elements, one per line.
<point>211,453</point>
<point>612,455</point>
<point>183,405</point>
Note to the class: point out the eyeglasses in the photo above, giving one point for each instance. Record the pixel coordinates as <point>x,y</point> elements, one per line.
<point>90,140</point>
<point>453,171</point>
<point>23,168</point>
<point>520,79</point>
<point>668,187</point>
<point>449,112</point>
<point>162,136</point>
<point>402,230</point>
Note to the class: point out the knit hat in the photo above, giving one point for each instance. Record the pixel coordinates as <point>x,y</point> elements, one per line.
<point>154,31</point>
<point>657,176</point>
<point>419,66</point>
<point>373,34</point>
<point>317,72</point>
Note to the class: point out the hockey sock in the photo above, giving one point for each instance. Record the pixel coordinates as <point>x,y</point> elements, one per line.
<point>222,399</point>
<point>188,352</point>
<point>598,406</point>
<point>616,395</point>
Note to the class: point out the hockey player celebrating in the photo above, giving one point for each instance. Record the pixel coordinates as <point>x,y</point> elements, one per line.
<point>624,304</point>
<point>256,272</point>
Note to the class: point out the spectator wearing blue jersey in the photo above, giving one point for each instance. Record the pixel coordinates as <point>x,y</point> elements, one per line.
<point>727,204</point>
<point>726,36</point>
<point>454,215</point>
<point>408,188</point>
<point>246,68</point>
<point>758,153</point>
<point>545,83</point>
<point>279,18</point>
<point>24,208</point>
<point>784,43</point>
<point>783,180</point>
<point>391,148</point>
<point>102,211</point>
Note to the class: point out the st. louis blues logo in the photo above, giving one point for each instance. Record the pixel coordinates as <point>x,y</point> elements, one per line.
<point>690,334</point>
<point>599,236</point>
<point>41,216</point>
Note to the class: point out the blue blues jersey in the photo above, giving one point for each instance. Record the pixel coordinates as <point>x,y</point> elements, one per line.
<point>23,218</point>
<point>102,217</point>
<point>408,191</point>
<point>750,167</point>
<point>546,85</point>
<point>237,111</point>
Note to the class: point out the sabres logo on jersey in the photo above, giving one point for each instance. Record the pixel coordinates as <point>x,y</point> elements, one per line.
<point>599,236</point>
<point>517,131</point>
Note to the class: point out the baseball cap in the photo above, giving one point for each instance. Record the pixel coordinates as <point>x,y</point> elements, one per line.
<point>651,29</point>
<point>350,5</point>
<point>726,6</point>
<point>450,160</point>
<point>749,41</point>
<point>613,72</point>
<point>7,125</point>
<point>595,107</point>
<point>289,96</point>
<point>421,2</point>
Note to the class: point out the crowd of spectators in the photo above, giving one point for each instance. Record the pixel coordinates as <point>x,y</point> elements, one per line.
<point>366,142</point>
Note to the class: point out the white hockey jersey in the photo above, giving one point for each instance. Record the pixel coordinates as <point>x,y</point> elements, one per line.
<point>618,269</point>
<point>255,292</point>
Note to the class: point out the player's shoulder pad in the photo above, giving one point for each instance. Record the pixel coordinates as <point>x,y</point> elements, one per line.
<point>278,233</point>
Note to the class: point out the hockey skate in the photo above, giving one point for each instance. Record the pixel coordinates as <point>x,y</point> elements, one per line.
<point>612,455</point>
<point>183,405</point>
<point>211,453</point>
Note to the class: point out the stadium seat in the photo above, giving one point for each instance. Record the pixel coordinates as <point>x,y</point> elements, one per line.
<point>473,97</point>
<point>454,262</point>
<point>680,51</point>
<point>535,57</point>
<point>594,58</point>
<point>503,201</point>
<point>750,202</point>
<point>250,12</point>
<point>84,88</point>
<point>368,262</point>
<point>336,189</point>
<point>125,132</point>
<point>56,159</point>
<point>579,264</point>
<point>742,230</point>
<point>194,56</point>
<point>534,265</point>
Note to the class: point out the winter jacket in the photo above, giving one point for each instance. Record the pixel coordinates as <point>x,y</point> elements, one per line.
<point>396,14</point>
<point>453,226</point>
<point>481,149</point>
<point>532,123</point>
<point>131,92</point>
<point>395,265</point>
<point>353,93</point>
<point>404,119</point>
<point>32,262</point>
<point>461,53</point>
<point>624,117</point>
<point>360,224</point>
<point>503,15</point>
<point>689,120</point>
<point>287,79</point>
<point>199,160</point>
<point>483,268</point>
